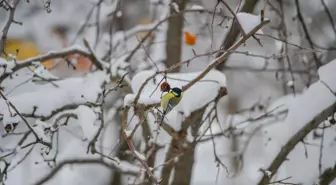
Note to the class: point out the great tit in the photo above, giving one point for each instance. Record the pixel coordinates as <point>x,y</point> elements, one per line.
<point>170,100</point>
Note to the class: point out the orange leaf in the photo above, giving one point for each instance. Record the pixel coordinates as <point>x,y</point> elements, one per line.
<point>190,39</point>
<point>83,64</point>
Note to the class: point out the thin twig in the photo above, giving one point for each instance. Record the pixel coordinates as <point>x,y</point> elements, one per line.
<point>48,56</point>
<point>305,29</point>
<point>221,58</point>
<point>24,120</point>
<point>11,20</point>
<point>331,20</point>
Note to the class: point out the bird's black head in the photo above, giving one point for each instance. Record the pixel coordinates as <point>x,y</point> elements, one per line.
<point>176,91</point>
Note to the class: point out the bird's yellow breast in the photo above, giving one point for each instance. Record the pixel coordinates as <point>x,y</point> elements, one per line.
<point>165,100</point>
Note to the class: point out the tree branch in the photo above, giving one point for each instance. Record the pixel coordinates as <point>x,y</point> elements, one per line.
<point>11,20</point>
<point>52,55</point>
<point>305,29</point>
<point>79,161</point>
<point>221,58</point>
<point>231,37</point>
<point>328,176</point>
<point>294,140</point>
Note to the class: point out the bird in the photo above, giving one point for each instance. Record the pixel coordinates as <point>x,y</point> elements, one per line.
<point>170,100</point>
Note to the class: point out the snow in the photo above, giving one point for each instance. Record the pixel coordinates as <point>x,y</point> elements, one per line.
<point>6,64</point>
<point>197,7</point>
<point>327,74</point>
<point>290,83</point>
<point>87,118</point>
<point>41,134</point>
<point>119,68</point>
<point>49,98</point>
<point>128,132</point>
<point>301,109</point>
<point>119,13</point>
<point>139,155</point>
<point>42,72</point>
<point>128,99</point>
<point>249,22</point>
<point>175,7</point>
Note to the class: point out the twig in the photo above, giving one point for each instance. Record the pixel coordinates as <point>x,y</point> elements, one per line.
<point>233,33</point>
<point>293,141</point>
<point>321,151</point>
<point>93,57</point>
<point>131,146</point>
<point>129,57</point>
<point>11,20</point>
<point>82,162</point>
<point>234,15</point>
<point>329,16</point>
<point>48,56</point>
<point>24,120</point>
<point>281,181</point>
<point>221,58</point>
<point>305,29</point>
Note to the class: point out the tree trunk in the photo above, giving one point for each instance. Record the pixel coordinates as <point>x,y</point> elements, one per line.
<point>174,35</point>
<point>231,37</point>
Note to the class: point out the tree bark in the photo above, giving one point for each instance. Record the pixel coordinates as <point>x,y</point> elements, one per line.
<point>328,176</point>
<point>231,37</point>
<point>183,168</point>
<point>174,35</point>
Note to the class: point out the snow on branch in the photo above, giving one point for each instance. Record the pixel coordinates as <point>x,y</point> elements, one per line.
<point>308,111</point>
<point>75,49</point>
<point>148,94</point>
<point>48,100</point>
<point>248,21</point>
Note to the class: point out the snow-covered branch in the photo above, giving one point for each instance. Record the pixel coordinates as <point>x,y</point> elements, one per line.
<point>50,55</point>
<point>320,97</point>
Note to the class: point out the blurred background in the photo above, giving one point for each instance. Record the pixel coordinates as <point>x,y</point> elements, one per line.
<point>269,69</point>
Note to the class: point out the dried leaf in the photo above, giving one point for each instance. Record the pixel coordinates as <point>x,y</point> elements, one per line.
<point>190,39</point>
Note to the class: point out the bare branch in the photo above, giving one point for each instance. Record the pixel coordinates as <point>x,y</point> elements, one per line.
<point>80,162</point>
<point>305,29</point>
<point>11,20</point>
<point>221,58</point>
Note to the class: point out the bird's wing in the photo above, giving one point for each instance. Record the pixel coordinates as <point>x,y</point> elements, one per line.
<point>165,102</point>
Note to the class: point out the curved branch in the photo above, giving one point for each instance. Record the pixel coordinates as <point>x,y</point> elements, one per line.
<point>221,58</point>
<point>52,55</point>
<point>79,161</point>
<point>305,29</point>
<point>294,140</point>
<point>11,20</point>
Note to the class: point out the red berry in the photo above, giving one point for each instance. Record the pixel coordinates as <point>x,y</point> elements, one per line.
<point>165,87</point>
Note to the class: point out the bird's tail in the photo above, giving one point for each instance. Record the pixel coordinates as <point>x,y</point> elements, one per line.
<point>162,117</point>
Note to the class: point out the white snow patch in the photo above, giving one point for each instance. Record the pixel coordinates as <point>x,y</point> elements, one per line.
<point>249,21</point>
<point>197,7</point>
